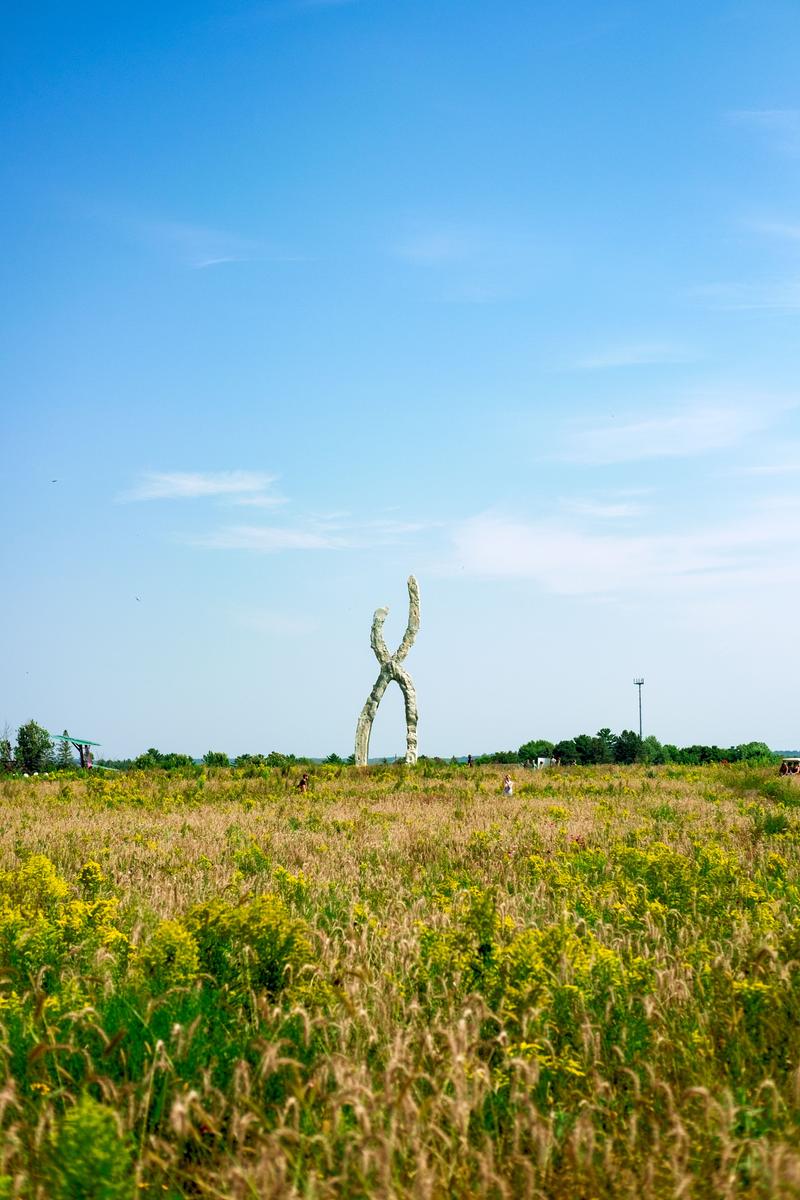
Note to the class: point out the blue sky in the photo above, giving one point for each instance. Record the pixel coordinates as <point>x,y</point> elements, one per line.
<point>302,296</point>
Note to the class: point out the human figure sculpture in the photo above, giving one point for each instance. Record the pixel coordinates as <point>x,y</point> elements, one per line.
<point>391,668</point>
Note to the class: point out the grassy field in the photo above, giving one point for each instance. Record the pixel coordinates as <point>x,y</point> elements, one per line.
<point>401,984</point>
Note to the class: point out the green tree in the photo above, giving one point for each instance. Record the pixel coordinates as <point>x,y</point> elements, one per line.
<point>627,747</point>
<point>334,760</point>
<point>154,758</point>
<point>150,758</point>
<point>537,748</point>
<point>216,758</point>
<point>250,760</point>
<point>751,752</point>
<point>6,753</point>
<point>276,759</point>
<point>65,759</point>
<point>700,756</point>
<point>606,739</point>
<point>34,751</point>
<point>498,756</point>
<point>566,752</point>
<point>587,749</point>
<point>652,750</point>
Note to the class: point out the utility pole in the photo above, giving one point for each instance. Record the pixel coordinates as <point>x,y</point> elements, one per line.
<point>638,683</point>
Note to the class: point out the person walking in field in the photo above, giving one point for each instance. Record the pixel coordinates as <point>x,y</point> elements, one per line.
<point>508,786</point>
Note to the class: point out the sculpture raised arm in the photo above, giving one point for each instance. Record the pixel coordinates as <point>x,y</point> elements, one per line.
<point>376,637</point>
<point>412,628</point>
<point>391,668</point>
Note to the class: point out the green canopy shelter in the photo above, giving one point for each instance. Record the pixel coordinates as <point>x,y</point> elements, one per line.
<point>82,745</point>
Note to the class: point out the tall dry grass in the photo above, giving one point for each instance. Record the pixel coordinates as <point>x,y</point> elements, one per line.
<point>402,984</point>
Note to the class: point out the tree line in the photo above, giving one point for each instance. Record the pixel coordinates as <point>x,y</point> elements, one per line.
<point>627,747</point>
<point>34,752</point>
<point>153,758</point>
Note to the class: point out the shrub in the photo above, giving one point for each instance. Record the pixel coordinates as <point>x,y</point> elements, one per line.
<point>35,887</point>
<point>252,859</point>
<point>91,878</point>
<point>253,945</point>
<point>40,922</point>
<point>169,958</point>
<point>90,1158</point>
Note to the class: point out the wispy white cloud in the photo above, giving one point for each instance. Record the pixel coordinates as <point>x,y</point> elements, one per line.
<point>243,487</point>
<point>683,432</point>
<point>478,293</point>
<point>385,527</point>
<point>197,246</point>
<point>437,245</point>
<point>768,118</point>
<point>770,296</point>
<point>333,516</point>
<point>778,468</point>
<point>200,264</point>
<point>782,458</point>
<point>333,532</point>
<point>788,230</point>
<point>780,127</point>
<point>268,539</point>
<point>259,500</point>
<point>201,246</point>
<point>192,244</point>
<point>565,559</point>
<point>474,263</point>
<point>382,525</point>
<point>603,510</point>
<point>636,354</point>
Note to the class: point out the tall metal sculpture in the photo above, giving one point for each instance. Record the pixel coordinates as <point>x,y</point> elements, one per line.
<point>391,668</point>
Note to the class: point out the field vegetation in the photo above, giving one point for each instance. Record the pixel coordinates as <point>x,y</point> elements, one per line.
<point>400,984</point>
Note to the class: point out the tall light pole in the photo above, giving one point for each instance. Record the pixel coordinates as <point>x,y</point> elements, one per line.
<point>638,683</point>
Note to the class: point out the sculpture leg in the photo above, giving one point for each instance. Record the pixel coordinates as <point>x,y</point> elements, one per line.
<point>364,726</point>
<point>410,697</point>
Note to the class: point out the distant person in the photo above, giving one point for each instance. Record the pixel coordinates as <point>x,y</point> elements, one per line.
<point>508,786</point>
<point>302,783</point>
<point>469,761</point>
